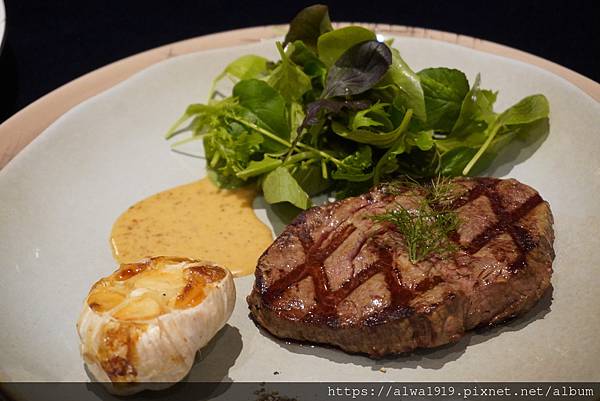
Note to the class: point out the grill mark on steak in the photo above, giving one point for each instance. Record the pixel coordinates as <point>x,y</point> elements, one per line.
<point>505,224</point>
<point>416,322</point>
<point>428,283</point>
<point>313,266</point>
<point>524,241</point>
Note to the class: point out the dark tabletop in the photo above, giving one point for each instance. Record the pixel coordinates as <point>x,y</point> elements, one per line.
<point>49,43</point>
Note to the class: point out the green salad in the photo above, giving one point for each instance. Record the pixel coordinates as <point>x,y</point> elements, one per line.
<point>341,111</point>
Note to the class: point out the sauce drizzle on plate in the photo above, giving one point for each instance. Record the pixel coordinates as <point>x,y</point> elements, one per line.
<point>197,221</point>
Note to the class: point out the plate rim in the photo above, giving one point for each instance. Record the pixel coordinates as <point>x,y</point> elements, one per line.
<point>161,65</point>
<point>24,126</point>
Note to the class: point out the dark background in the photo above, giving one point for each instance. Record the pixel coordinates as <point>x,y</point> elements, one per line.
<point>49,43</point>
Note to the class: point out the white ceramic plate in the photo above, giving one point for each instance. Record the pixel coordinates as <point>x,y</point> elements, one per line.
<point>60,196</point>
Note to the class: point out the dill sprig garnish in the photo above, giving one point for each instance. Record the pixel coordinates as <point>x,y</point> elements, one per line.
<point>441,192</point>
<point>426,228</point>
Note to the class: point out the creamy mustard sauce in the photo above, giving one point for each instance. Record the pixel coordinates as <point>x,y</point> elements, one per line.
<point>198,221</point>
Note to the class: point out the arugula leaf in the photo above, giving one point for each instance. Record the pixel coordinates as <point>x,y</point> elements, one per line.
<point>228,152</point>
<point>379,139</point>
<point>353,167</point>
<point>407,84</point>
<point>289,79</point>
<point>206,116</point>
<point>444,90</point>
<point>264,102</point>
<point>378,117</point>
<point>358,69</point>
<point>421,139</point>
<point>280,186</point>
<point>332,45</point>
<point>308,25</point>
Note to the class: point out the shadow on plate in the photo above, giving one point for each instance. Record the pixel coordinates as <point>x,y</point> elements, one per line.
<point>434,358</point>
<point>207,379</point>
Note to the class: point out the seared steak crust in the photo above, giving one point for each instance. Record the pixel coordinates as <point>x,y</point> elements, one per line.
<point>338,277</point>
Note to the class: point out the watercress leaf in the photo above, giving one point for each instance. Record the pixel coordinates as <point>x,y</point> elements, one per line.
<point>280,186</point>
<point>332,45</point>
<point>264,102</point>
<point>444,90</point>
<point>308,25</point>
<point>256,168</point>
<point>289,79</point>
<point>476,111</point>
<point>406,82</point>
<point>354,166</point>
<point>358,69</point>
<point>310,178</point>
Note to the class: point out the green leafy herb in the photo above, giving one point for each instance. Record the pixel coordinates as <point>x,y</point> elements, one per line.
<point>289,79</point>
<point>444,90</point>
<point>425,228</point>
<point>405,85</point>
<point>340,111</point>
<point>425,231</point>
<point>245,67</point>
<point>267,106</point>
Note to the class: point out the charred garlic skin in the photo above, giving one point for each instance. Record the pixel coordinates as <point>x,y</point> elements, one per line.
<point>140,327</point>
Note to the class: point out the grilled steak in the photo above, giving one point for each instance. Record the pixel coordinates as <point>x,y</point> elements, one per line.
<point>337,276</point>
